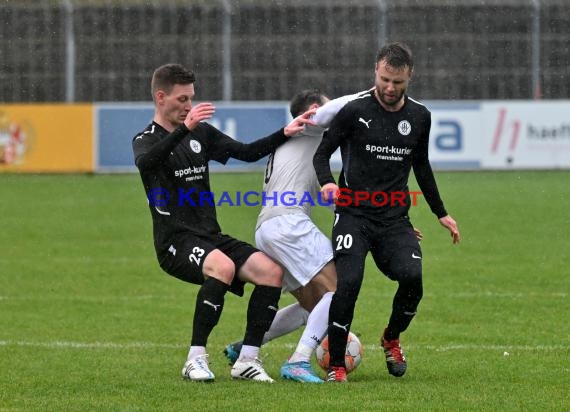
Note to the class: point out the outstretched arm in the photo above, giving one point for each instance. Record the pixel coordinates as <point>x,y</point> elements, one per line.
<point>250,152</point>
<point>298,123</point>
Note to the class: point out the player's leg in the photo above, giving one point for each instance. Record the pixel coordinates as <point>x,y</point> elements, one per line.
<point>316,294</point>
<point>399,256</point>
<point>287,320</point>
<point>303,251</point>
<point>197,261</point>
<point>207,313</point>
<point>266,275</point>
<point>218,270</point>
<point>350,244</point>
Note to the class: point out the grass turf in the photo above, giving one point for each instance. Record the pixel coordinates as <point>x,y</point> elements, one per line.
<point>88,321</point>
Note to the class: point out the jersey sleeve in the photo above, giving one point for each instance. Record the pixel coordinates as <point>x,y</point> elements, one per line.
<point>224,147</point>
<point>424,173</point>
<point>150,152</point>
<point>338,131</point>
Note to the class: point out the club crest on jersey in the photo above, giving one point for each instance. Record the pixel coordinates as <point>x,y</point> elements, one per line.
<point>195,146</point>
<point>404,127</point>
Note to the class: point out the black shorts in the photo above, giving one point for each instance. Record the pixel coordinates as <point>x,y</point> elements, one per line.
<point>185,257</point>
<point>394,246</point>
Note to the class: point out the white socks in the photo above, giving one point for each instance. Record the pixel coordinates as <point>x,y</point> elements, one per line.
<point>315,331</point>
<point>248,353</point>
<point>196,351</point>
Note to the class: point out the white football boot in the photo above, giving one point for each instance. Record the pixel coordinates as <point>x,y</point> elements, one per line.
<point>197,369</point>
<point>250,370</point>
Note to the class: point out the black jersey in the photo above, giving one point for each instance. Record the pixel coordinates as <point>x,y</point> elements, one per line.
<point>378,150</point>
<point>175,174</point>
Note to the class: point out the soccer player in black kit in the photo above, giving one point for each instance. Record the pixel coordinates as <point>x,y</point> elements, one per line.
<point>172,156</point>
<point>382,135</point>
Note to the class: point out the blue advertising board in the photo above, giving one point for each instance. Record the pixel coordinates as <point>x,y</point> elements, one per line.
<point>456,140</point>
<point>117,124</point>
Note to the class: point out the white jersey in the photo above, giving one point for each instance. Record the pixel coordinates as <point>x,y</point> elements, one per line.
<point>290,176</point>
<point>285,231</point>
<point>290,168</point>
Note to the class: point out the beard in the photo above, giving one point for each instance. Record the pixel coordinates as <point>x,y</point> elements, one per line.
<point>389,100</point>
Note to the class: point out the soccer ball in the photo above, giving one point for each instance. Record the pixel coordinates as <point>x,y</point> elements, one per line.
<point>352,357</point>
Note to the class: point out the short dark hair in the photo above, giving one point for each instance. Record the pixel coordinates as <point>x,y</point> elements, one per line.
<point>396,55</point>
<point>301,101</point>
<point>169,75</point>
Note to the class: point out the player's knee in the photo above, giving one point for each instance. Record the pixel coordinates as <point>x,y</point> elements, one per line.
<point>272,275</point>
<point>224,272</point>
<point>227,271</point>
<point>406,269</point>
<point>259,269</point>
<point>412,282</point>
<point>217,265</point>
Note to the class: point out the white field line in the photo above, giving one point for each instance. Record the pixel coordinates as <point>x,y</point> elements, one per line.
<point>372,347</point>
<point>88,298</point>
<point>460,295</point>
<point>514,295</point>
<point>90,345</point>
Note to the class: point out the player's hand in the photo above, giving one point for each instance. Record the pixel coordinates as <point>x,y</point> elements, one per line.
<point>419,234</point>
<point>329,191</point>
<point>198,113</point>
<point>451,225</point>
<point>298,123</point>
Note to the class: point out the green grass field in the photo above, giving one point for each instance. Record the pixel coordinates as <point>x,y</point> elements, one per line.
<point>88,321</point>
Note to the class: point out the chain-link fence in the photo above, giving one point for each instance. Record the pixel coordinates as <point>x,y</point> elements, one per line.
<point>106,50</point>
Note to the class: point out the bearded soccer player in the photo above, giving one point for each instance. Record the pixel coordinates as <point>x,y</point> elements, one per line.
<point>382,135</point>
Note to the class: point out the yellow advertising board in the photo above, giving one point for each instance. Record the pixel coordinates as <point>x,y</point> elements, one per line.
<point>46,138</point>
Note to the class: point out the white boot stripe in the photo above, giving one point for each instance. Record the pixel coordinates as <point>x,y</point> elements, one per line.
<point>252,370</point>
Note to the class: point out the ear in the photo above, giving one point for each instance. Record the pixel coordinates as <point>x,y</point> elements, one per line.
<point>159,96</point>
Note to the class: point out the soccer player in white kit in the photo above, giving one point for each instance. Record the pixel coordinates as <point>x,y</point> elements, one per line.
<point>286,232</point>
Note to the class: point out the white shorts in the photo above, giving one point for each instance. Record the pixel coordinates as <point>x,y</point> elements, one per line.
<point>297,244</point>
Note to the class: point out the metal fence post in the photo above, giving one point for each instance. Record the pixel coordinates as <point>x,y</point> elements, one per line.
<point>382,23</point>
<point>69,52</point>
<point>536,88</point>
<point>227,51</point>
